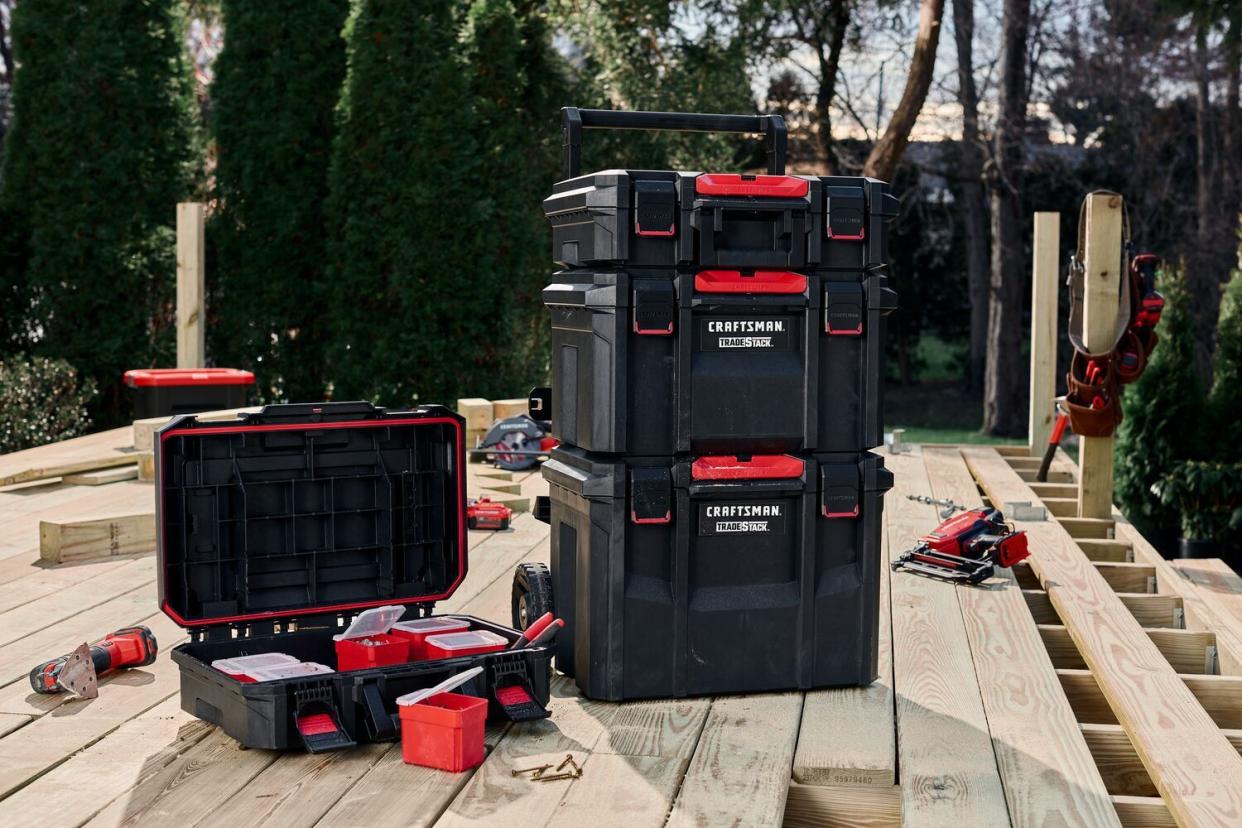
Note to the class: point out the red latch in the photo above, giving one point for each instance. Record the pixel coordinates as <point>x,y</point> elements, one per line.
<point>653,331</point>
<point>671,231</point>
<point>316,724</point>
<point>732,184</point>
<point>667,518</point>
<point>762,281</point>
<point>859,236</point>
<point>757,467</point>
<point>834,515</point>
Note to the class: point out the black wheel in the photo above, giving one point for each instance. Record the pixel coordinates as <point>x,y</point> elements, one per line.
<point>532,593</point>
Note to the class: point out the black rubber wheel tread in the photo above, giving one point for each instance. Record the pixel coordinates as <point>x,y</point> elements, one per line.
<point>532,587</point>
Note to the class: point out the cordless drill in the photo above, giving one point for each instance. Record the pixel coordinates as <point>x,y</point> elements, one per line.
<point>79,671</point>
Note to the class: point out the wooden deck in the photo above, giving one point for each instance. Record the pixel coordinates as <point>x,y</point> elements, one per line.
<point>1100,685</point>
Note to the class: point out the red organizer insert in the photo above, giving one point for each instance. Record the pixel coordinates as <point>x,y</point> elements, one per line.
<point>444,731</point>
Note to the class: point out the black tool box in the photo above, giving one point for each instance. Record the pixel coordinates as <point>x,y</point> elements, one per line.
<point>274,530</point>
<point>643,218</point>
<point>659,363</point>
<point>716,574</point>
<point>164,392</point>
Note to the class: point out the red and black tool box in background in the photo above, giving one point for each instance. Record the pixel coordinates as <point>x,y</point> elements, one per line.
<point>273,531</point>
<point>717,574</point>
<point>656,363</point>
<point>163,392</point>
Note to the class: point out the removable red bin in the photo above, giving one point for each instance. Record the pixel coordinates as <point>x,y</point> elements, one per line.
<point>452,645</point>
<point>417,631</point>
<point>444,731</point>
<point>385,649</point>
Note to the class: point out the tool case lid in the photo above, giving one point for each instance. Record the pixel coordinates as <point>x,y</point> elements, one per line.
<point>372,622</point>
<point>301,510</point>
<point>164,377</point>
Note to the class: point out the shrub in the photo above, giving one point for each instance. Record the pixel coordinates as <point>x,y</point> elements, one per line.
<point>1163,417</point>
<point>41,401</point>
<point>1208,496</point>
<point>277,83</point>
<point>1225,399</point>
<point>98,154</point>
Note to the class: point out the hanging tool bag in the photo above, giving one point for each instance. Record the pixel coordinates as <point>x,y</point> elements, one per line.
<point>276,530</point>
<point>1094,382</point>
<point>666,219</point>
<point>716,574</point>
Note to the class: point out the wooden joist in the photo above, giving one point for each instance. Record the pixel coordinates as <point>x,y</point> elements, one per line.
<point>1196,770</point>
<point>1143,812</point>
<point>1221,697</point>
<point>1106,550</point>
<point>87,540</point>
<point>1045,765</point>
<point>1127,577</point>
<point>848,806</point>
<point>1119,765</point>
<point>1148,610</point>
<point>1086,527</point>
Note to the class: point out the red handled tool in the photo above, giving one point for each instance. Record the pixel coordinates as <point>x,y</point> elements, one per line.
<point>79,671</point>
<point>531,632</point>
<point>966,548</point>
<point>544,636</point>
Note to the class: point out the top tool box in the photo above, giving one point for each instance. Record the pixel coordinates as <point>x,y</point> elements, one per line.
<point>274,530</point>
<point>640,218</point>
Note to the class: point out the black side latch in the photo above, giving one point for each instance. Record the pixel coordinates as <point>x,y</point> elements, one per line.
<point>839,490</point>
<point>843,308</point>
<point>380,724</point>
<point>653,307</point>
<point>511,688</point>
<point>651,495</point>
<point>543,508</point>
<point>655,208</point>
<point>539,403</point>
<point>846,213</point>
<point>317,720</point>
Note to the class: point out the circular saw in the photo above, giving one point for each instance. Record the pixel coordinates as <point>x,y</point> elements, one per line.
<point>517,443</point>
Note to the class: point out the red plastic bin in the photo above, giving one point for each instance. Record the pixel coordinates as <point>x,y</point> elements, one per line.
<point>353,654</point>
<point>417,631</point>
<point>452,645</point>
<point>444,731</point>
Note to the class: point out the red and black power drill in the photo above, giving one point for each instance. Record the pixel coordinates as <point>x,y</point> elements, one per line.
<point>966,548</point>
<point>79,671</point>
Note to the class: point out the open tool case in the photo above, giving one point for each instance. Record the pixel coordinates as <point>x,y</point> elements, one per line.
<point>274,531</point>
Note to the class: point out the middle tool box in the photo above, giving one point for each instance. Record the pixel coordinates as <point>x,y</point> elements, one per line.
<point>659,363</point>
<point>275,531</point>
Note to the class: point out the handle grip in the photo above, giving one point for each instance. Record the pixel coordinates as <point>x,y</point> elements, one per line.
<point>575,120</point>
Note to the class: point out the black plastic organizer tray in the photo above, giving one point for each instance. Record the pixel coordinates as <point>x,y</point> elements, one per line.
<point>275,530</point>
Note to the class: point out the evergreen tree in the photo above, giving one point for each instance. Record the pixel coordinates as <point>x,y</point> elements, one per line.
<point>277,82</point>
<point>1163,412</point>
<point>97,157</point>
<point>415,313</point>
<point>1225,400</point>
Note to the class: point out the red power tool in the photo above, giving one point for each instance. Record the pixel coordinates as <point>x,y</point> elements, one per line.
<point>80,671</point>
<point>966,548</point>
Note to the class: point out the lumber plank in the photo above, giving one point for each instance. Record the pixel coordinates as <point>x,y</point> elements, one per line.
<point>1127,577</point>
<point>847,806</point>
<point>1054,476</point>
<point>1153,610</point>
<point>1046,768</point>
<point>1118,762</point>
<point>1185,650</point>
<point>144,429</point>
<point>190,787</point>
<point>1196,770</point>
<point>1143,812</point>
<point>948,766</point>
<point>502,409</point>
<point>1214,577</point>
<point>89,781</point>
<point>1106,549</point>
<point>477,411</point>
<point>100,450</point>
<point>1047,490</point>
<point>1045,280</point>
<point>72,541</point>
<point>102,477</point>
<point>43,580</point>
<point>1087,527</point>
<point>847,735</point>
<point>740,770</point>
<point>1221,697</point>
<point>1061,506</point>
<point>191,312</point>
<point>1013,451</point>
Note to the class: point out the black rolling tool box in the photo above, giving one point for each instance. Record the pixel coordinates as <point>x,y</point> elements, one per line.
<point>659,363</point>
<point>641,218</point>
<point>274,530</point>
<point>716,574</point>
<point>164,392</point>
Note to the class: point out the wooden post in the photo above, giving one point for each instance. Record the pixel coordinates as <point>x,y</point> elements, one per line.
<point>191,267</point>
<point>1102,281</point>
<point>1046,251</point>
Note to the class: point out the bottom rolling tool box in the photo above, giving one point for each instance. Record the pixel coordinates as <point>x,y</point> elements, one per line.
<point>274,531</point>
<point>716,575</point>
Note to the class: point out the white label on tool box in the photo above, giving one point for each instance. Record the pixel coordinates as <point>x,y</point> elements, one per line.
<point>755,333</point>
<point>741,518</point>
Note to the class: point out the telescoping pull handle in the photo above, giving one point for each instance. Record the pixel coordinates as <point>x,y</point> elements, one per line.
<point>574,120</point>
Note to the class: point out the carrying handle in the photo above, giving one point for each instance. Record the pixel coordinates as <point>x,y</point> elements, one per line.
<point>574,120</point>
<point>324,412</point>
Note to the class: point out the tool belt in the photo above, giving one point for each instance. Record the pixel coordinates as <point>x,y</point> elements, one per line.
<point>1094,382</point>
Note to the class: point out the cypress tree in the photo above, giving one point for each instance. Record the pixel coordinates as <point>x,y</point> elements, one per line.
<point>1162,411</point>
<point>97,157</point>
<point>277,82</point>
<point>414,312</point>
<point>1225,399</point>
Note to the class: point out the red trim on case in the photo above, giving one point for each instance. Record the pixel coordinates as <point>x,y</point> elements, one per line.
<point>828,329</point>
<point>763,281</point>
<point>461,517</point>
<point>833,515</point>
<point>634,518</point>
<point>732,184</point>
<point>672,231</point>
<point>653,331</point>
<point>759,467</point>
<point>862,235</point>
<point>180,377</point>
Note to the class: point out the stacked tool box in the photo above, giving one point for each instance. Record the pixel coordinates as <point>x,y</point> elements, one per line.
<point>716,371</point>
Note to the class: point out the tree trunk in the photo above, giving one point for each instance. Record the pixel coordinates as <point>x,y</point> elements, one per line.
<point>1204,282</point>
<point>974,211</point>
<point>830,34</point>
<point>1003,375</point>
<point>886,154</point>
